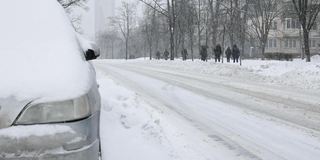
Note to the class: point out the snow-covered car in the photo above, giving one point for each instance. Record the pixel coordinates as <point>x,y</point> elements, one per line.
<point>49,99</point>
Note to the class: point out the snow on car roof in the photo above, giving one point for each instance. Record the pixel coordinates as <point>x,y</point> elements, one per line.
<point>39,52</point>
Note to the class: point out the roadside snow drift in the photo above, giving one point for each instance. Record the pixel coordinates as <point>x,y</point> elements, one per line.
<point>226,113</point>
<point>40,55</point>
<point>296,73</point>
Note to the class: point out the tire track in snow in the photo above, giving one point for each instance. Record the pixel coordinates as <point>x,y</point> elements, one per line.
<point>296,112</point>
<point>229,133</point>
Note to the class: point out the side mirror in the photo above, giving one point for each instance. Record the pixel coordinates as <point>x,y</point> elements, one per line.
<point>90,49</point>
<point>92,54</point>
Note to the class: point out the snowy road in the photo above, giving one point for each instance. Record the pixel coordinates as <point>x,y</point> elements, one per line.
<point>225,118</point>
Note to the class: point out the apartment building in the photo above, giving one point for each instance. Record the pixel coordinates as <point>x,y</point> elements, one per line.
<point>286,36</point>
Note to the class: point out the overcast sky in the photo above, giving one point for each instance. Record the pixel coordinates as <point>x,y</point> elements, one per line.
<point>108,8</point>
<point>95,20</point>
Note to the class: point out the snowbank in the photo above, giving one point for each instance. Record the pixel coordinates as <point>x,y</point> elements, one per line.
<point>128,131</point>
<point>297,73</point>
<point>19,132</point>
<point>192,123</point>
<point>40,56</point>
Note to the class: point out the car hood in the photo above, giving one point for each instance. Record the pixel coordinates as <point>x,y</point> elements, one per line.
<point>9,110</point>
<point>40,54</point>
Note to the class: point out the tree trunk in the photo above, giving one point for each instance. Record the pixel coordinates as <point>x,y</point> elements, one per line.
<point>127,48</point>
<point>191,46</point>
<point>214,20</point>
<point>301,44</point>
<point>199,25</point>
<point>243,30</point>
<point>150,52</point>
<point>128,36</point>
<point>306,44</point>
<point>223,41</point>
<point>112,50</point>
<point>231,33</point>
<point>171,27</point>
<point>263,47</point>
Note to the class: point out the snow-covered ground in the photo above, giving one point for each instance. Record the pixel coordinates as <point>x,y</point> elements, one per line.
<point>298,73</point>
<point>194,110</point>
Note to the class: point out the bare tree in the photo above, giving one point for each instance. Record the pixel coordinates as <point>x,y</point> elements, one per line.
<point>150,29</point>
<point>170,14</point>
<point>68,3</point>
<point>243,26</point>
<point>191,20</point>
<point>215,12</point>
<point>199,23</point>
<point>263,13</point>
<point>307,12</point>
<point>125,22</point>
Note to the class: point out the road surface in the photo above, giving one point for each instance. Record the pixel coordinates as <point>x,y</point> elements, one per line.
<point>241,118</point>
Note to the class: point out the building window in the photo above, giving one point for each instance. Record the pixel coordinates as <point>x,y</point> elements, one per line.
<point>290,43</point>
<point>272,43</point>
<point>288,23</point>
<point>314,27</point>
<point>274,25</point>
<point>293,24</point>
<point>313,43</point>
<point>294,43</point>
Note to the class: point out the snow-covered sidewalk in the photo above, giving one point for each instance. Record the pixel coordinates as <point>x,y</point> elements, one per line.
<point>190,110</point>
<point>134,129</point>
<point>296,74</point>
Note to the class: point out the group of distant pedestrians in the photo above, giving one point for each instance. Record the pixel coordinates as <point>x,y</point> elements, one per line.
<point>233,54</point>
<point>165,55</point>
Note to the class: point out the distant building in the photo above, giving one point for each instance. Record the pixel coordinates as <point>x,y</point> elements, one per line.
<point>286,34</point>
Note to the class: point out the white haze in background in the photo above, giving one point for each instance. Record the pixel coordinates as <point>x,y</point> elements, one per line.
<point>88,20</point>
<point>104,9</point>
<point>109,8</point>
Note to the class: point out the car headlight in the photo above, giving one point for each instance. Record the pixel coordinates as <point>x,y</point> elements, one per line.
<point>55,112</point>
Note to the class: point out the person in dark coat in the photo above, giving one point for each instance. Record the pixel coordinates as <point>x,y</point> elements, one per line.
<point>217,53</point>
<point>204,53</point>
<point>184,54</point>
<point>158,55</point>
<point>228,54</point>
<point>235,53</point>
<point>166,54</point>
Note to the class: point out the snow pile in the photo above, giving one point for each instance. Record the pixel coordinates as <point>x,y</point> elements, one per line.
<point>128,131</point>
<point>35,140</point>
<point>40,55</point>
<point>139,127</point>
<point>187,120</point>
<point>20,132</point>
<point>315,58</point>
<point>297,73</point>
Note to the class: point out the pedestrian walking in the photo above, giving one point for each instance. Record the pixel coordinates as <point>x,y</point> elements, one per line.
<point>228,54</point>
<point>235,53</point>
<point>158,55</point>
<point>184,54</point>
<point>166,54</point>
<point>204,53</point>
<point>217,53</point>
